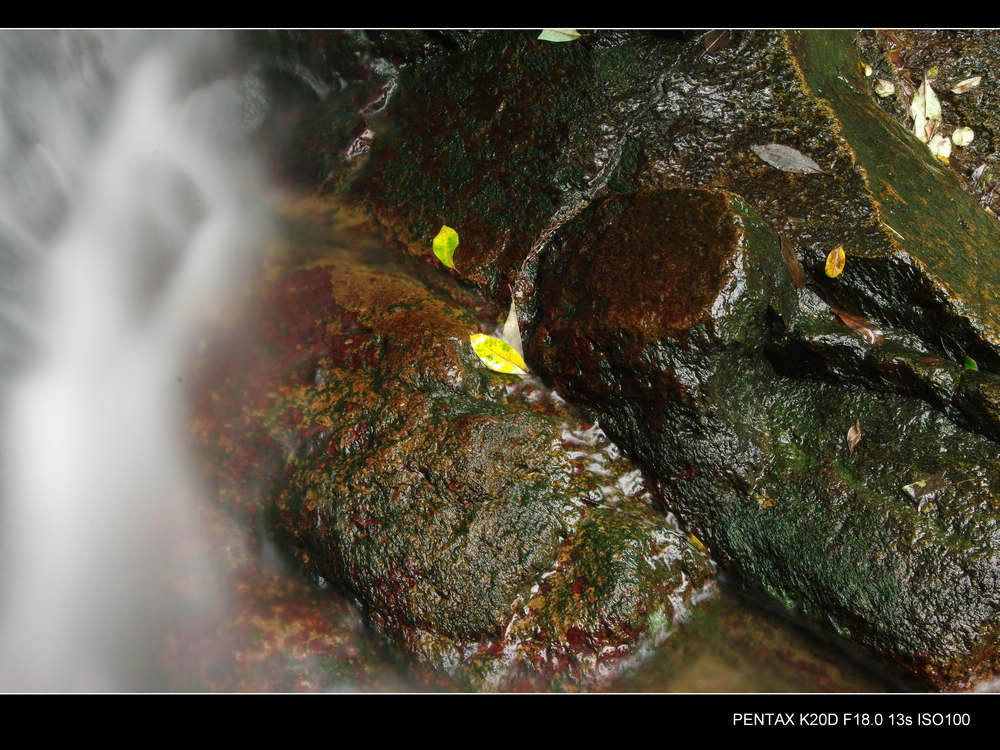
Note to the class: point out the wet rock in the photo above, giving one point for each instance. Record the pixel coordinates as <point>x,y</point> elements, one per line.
<point>481,525</point>
<point>617,189</point>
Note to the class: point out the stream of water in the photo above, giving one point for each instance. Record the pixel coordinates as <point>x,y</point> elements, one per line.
<point>130,208</point>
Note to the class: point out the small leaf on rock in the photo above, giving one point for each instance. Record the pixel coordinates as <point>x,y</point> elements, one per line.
<point>792,261</point>
<point>787,159</point>
<point>854,437</point>
<point>497,354</point>
<point>970,363</point>
<point>512,331</point>
<point>765,501</point>
<point>859,323</point>
<point>696,542</point>
<point>967,85</point>
<point>559,35</point>
<point>884,88</point>
<point>445,244</point>
<point>835,262</point>
<point>924,108</point>
<point>962,136</point>
<point>715,39</point>
<point>940,147</point>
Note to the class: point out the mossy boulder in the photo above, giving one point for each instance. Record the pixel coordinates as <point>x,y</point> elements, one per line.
<point>482,526</point>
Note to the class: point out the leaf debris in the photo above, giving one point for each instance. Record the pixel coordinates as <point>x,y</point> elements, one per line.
<point>559,35</point>
<point>792,261</point>
<point>853,437</point>
<point>860,324</point>
<point>787,159</point>
<point>967,85</point>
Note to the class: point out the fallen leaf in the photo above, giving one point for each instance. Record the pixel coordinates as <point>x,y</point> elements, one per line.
<point>497,354</point>
<point>884,88</point>
<point>559,35</point>
<point>787,159</point>
<point>924,108</point>
<point>854,437</point>
<point>511,331</point>
<point>940,147</point>
<point>835,262</point>
<point>715,39</point>
<point>970,363</point>
<point>445,244</point>
<point>696,542</point>
<point>867,70</point>
<point>765,501</point>
<point>859,323</point>
<point>962,136</point>
<point>792,261</point>
<point>967,85</point>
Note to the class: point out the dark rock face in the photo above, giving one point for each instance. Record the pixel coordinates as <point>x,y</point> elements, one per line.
<point>613,185</point>
<point>481,525</point>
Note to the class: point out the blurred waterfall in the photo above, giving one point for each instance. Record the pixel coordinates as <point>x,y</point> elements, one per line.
<point>129,206</point>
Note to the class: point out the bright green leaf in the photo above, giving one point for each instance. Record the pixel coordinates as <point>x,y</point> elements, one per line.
<point>559,35</point>
<point>497,354</point>
<point>445,244</point>
<point>970,363</point>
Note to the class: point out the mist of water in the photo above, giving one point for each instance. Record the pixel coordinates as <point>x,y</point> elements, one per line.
<point>129,206</point>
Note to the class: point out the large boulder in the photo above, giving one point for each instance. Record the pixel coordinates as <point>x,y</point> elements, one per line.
<point>482,526</point>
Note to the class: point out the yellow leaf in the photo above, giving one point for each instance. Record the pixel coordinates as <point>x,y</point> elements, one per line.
<point>696,542</point>
<point>835,262</point>
<point>445,244</point>
<point>497,354</point>
<point>765,501</point>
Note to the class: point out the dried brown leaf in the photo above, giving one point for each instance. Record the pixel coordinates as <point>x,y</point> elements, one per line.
<point>854,436</point>
<point>716,39</point>
<point>792,261</point>
<point>859,323</point>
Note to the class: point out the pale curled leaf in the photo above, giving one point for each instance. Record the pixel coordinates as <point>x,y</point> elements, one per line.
<point>924,108</point>
<point>497,354</point>
<point>787,159</point>
<point>884,88</point>
<point>940,147</point>
<point>962,136</point>
<point>854,436</point>
<point>512,331</point>
<point>559,35</point>
<point>967,85</point>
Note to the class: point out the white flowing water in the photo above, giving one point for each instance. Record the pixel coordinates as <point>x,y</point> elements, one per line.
<point>129,206</point>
